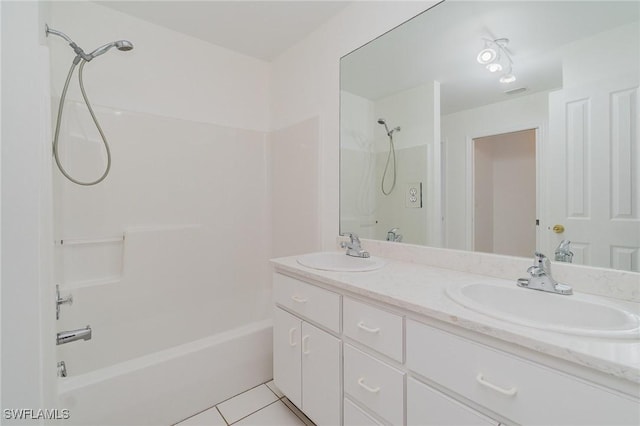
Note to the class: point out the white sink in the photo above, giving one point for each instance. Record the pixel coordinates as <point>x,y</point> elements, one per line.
<point>333,261</point>
<point>578,314</point>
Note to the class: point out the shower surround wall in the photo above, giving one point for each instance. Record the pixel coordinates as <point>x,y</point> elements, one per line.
<point>171,250</point>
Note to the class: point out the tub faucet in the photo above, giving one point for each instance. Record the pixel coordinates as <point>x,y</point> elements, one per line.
<point>540,277</point>
<point>353,246</point>
<point>73,335</point>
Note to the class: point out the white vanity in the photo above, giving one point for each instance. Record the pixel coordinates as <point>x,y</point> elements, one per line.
<point>389,346</point>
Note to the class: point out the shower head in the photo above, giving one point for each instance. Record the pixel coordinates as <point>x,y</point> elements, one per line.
<point>123,45</point>
<point>384,123</point>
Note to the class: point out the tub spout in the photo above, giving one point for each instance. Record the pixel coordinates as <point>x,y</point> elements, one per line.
<point>73,335</point>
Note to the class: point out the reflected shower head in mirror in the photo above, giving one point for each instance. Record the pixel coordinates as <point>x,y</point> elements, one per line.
<point>392,154</point>
<point>384,123</point>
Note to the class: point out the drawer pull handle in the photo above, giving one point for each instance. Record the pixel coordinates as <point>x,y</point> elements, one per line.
<point>291,341</point>
<point>507,392</point>
<point>364,386</point>
<point>298,299</point>
<point>368,329</point>
<point>305,345</point>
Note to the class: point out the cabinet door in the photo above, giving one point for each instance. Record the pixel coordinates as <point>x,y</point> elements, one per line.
<point>287,334</point>
<point>428,407</point>
<point>320,376</point>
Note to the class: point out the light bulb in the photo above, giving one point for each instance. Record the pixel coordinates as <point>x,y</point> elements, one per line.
<point>487,55</point>
<point>494,67</point>
<point>508,78</point>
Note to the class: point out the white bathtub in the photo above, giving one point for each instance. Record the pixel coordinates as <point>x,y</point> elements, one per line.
<point>167,386</point>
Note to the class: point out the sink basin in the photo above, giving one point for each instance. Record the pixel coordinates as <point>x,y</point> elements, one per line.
<point>334,261</point>
<point>577,314</point>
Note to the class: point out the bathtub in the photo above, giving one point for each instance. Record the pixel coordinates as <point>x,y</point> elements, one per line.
<point>170,385</point>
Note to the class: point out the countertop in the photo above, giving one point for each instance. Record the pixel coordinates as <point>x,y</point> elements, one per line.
<point>421,290</point>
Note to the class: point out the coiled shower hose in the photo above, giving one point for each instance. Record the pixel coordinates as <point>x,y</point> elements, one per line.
<point>93,116</point>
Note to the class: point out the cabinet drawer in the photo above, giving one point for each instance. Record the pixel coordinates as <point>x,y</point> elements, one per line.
<point>520,390</point>
<point>354,416</point>
<point>314,303</point>
<point>428,407</point>
<point>374,384</point>
<point>378,329</point>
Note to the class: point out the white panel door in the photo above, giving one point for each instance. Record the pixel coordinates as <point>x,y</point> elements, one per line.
<point>321,397</point>
<point>287,335</point>
<point>592,179</point>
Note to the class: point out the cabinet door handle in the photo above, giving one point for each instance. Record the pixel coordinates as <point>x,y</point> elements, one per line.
<point>508,392</point>
<point>291,341</point>
<point>305,345</point>
<point>298,299</point>
<point>364,386</point>
<point>368,329</point>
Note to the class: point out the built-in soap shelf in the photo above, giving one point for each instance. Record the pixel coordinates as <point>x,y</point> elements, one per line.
<point>91,261</point>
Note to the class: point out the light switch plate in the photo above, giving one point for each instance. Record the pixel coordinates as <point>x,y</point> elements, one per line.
<point>413,195</point>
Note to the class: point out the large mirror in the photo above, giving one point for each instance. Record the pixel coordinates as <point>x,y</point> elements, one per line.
<point>503,127</point>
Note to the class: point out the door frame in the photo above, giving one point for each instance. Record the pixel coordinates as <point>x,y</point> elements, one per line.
<point>540,136</point>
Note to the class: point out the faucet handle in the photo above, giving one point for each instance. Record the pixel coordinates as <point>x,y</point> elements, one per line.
<point>541,261</point>
<point>353,239</point>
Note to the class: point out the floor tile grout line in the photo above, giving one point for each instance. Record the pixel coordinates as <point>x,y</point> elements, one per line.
<point>245,391</point>
<point>259,409</point>
<point>231,397</point>
<point>221,415</point>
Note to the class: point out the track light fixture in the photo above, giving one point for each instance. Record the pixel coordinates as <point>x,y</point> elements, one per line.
<point>497,58</point>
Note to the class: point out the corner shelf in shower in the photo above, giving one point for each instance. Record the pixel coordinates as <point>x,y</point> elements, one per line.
<point>90,261</point>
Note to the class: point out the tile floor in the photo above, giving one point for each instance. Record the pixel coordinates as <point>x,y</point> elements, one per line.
<point>263,405</point>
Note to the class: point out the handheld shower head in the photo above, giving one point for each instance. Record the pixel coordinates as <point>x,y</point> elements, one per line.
<point>122,45</point>
<point>384,123</point>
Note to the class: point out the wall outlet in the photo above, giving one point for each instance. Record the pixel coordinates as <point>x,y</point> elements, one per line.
<point>413,196</point>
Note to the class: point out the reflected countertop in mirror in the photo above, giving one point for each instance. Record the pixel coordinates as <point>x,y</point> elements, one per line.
<point>501,127</point>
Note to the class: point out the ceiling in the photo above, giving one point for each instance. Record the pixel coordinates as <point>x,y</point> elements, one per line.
<point>261,29</point>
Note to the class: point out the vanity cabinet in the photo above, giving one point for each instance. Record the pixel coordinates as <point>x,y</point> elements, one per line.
<point>345,359</point>
<point>307,359</point>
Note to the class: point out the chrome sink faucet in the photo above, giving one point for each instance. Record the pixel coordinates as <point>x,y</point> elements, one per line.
<point>563,252</point>
<point>392,235</point>
<point>353,246</point>
<point>540,277</point>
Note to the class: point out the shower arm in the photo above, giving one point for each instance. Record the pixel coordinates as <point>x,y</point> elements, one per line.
<point>80,54</point>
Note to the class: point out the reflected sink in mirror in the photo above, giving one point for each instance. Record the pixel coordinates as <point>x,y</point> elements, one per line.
<point>578,314</point>
<point>338,261</point>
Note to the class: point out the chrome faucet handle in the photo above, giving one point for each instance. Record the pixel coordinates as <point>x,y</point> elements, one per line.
<point>541,261</point>
<point>353,246</point>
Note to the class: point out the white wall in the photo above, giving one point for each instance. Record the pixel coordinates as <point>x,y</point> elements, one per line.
<point>305,83</point>
<point>28,365</point>
<point>359,186</point>
<point>610,53</point>
<point>167,73</point>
